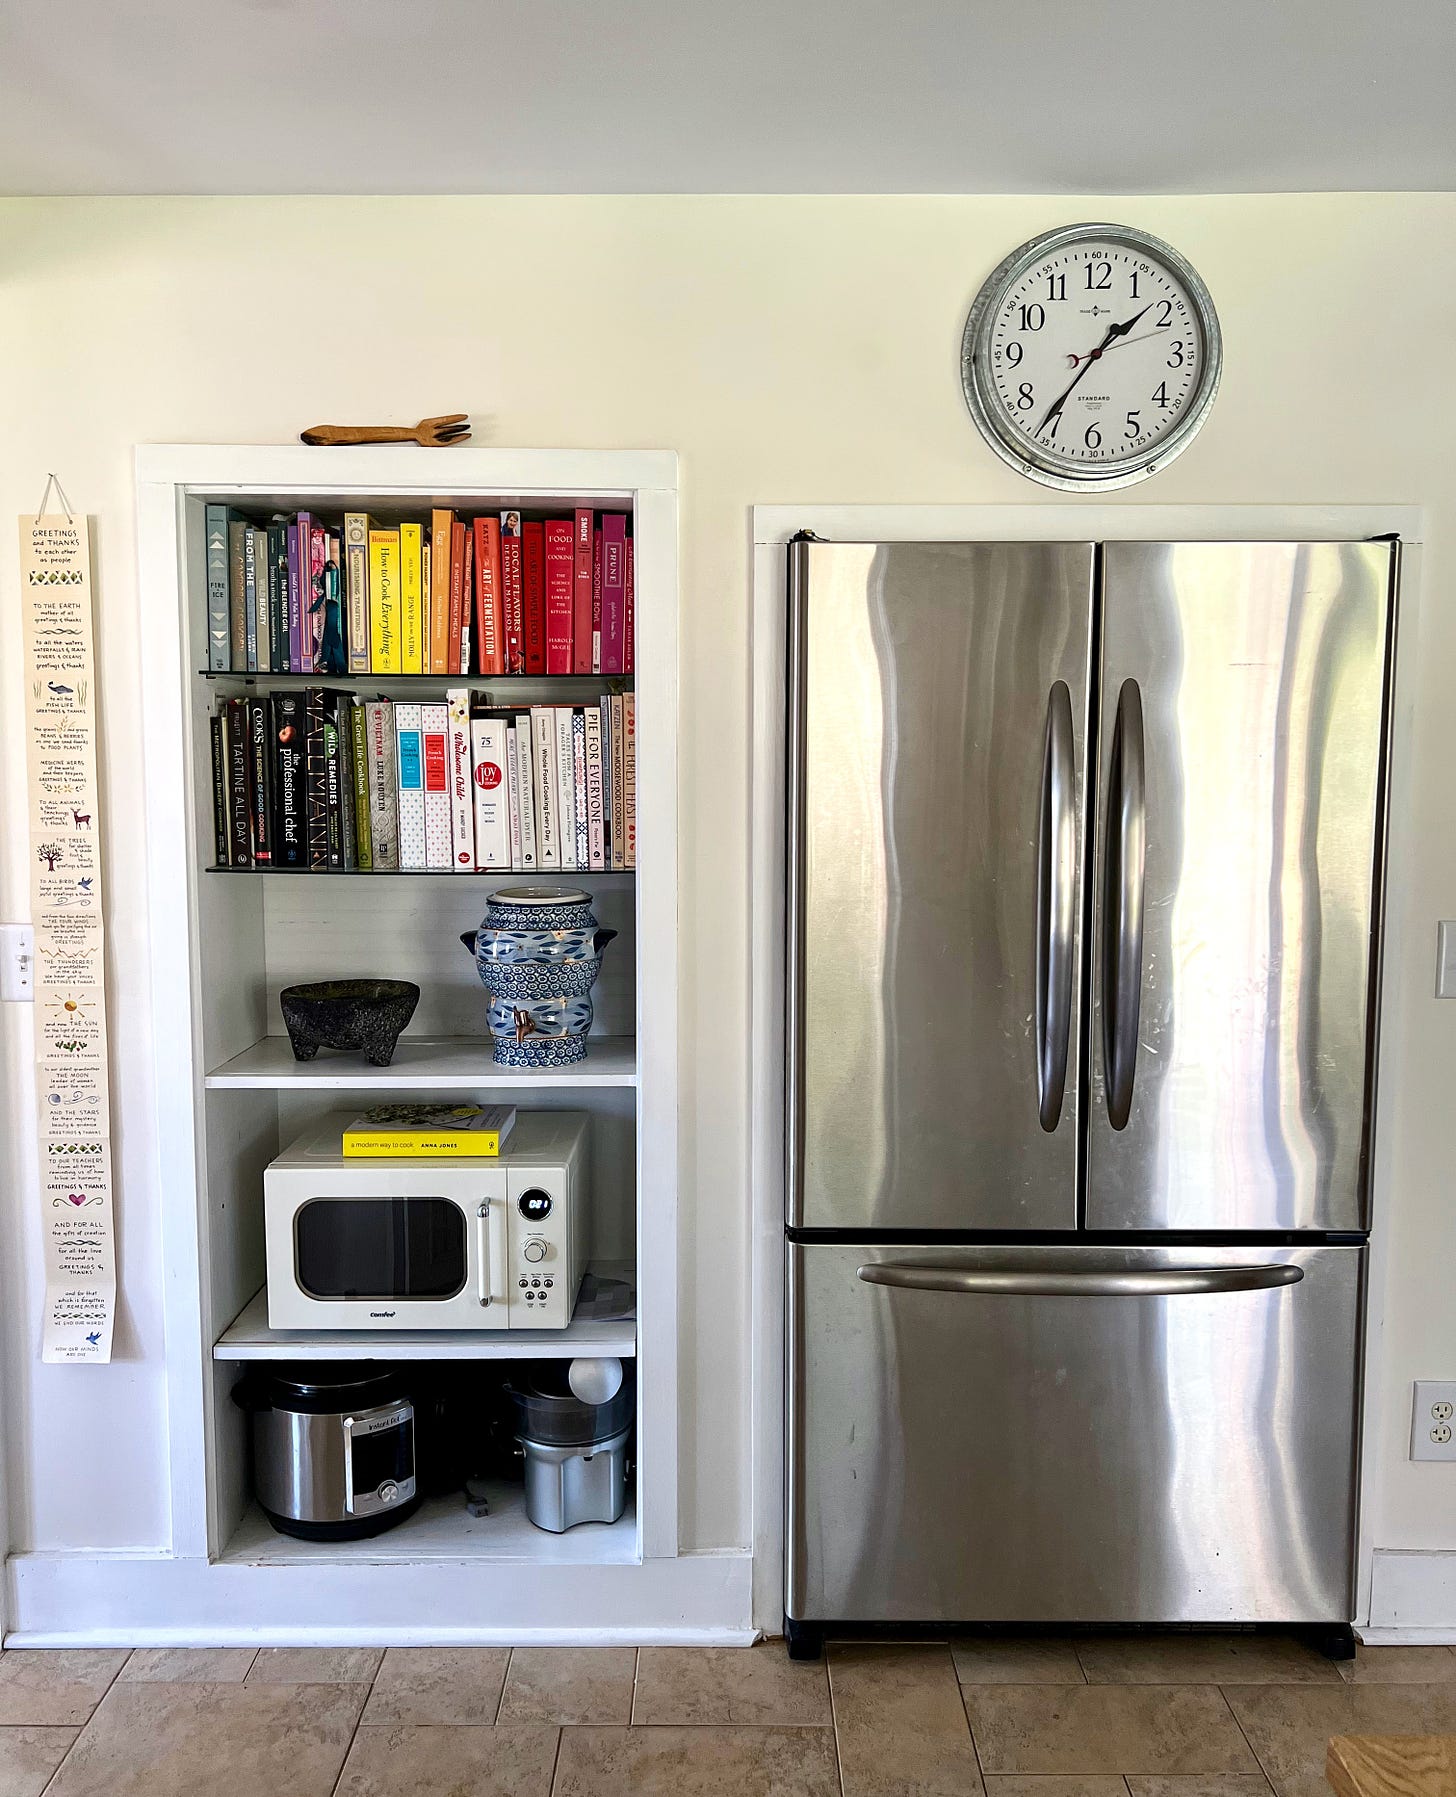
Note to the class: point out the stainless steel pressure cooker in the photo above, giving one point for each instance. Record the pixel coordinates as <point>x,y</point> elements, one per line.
<point>333,1449</point>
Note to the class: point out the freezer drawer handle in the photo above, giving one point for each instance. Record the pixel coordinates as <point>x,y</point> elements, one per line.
<point>1055,890</point>
<point>1123,1282</point>
<point>1122,903</point>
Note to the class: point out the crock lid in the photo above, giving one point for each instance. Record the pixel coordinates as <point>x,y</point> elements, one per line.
<point>540,895</point>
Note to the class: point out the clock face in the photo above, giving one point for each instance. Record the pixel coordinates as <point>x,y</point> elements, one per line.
<point>1091,356</point>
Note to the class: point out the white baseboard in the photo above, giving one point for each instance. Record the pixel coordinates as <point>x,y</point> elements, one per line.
<point>76,1600</point>
<point>1412,1598</point>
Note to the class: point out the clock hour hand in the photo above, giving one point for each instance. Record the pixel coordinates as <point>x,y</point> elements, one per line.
<point>1114,331</point>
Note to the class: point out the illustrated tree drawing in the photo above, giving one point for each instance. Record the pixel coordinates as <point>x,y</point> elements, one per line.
<point>50,853</point>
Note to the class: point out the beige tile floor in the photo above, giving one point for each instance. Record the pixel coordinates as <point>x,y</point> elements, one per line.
<point>1178,1716</point>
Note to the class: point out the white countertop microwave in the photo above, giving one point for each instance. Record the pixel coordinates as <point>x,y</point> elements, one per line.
<point>489,1243</point>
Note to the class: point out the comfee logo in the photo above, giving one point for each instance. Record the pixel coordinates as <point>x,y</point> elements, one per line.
<point>487,775</point>
<point>381,1313</point>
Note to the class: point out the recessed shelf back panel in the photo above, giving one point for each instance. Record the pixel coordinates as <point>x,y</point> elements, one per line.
<point>317,928</point>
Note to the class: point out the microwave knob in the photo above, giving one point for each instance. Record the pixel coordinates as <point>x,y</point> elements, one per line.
<point>535,1249</point>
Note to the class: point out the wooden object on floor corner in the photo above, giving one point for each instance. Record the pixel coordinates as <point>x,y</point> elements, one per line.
<point>1392,1765</point>
<point>430,433</point>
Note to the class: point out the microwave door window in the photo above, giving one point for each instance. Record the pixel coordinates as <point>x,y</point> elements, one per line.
<point>380,1248</point>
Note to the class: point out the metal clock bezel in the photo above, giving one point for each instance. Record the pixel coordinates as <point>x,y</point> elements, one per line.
<point>985,407</point>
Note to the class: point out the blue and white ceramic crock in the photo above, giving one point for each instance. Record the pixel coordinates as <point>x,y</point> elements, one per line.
<point>538,952</point>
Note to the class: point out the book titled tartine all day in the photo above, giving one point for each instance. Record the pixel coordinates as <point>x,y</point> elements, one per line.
<point>428,1131</point>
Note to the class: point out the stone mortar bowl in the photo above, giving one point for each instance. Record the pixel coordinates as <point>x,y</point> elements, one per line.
<point>348,1014</point>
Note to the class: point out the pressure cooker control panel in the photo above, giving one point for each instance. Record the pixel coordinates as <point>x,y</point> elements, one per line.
<point>379,1459</point>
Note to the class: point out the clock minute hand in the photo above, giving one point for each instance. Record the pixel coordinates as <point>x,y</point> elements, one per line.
<point>1114,331</point>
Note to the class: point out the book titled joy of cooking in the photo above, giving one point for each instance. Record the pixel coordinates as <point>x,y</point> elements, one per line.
<point>428,1131</point>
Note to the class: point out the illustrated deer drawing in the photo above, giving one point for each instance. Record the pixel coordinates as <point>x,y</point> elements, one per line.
<point>80,819</point>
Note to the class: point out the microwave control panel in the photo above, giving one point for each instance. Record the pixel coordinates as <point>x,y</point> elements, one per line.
<point>540,1290</point>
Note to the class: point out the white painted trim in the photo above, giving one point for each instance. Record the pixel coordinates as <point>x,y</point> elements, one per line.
<point>177,1067</point>
<point>1054,521</point>
<point>659,1170</point>
<point>167,478</point>
<point>294,467</point>
<point>767,823</point>
<point>1413,1596</point>
<point>1378,1637</point>
<point>1398,933</point>
<point>73,1600</point>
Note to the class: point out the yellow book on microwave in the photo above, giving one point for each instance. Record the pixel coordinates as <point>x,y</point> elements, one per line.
<point>428,1131</point>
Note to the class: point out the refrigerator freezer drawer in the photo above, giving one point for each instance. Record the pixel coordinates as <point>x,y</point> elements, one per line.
<point>1072,1434</point>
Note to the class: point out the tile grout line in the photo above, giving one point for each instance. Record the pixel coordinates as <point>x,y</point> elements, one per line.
<point>834,1718</point>
<point>970,1726</point>
<point>555,1758</point>
<point>1263,1769</point>
<point>500,1696</point>
<point>354,1732</point>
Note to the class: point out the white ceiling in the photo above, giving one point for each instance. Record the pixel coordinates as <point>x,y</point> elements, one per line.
<point>763,96</point>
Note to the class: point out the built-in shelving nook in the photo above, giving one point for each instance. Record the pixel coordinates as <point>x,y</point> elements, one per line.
<point>230,1094</point>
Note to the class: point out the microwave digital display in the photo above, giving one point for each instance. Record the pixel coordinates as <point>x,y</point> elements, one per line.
<point>383,1248</point>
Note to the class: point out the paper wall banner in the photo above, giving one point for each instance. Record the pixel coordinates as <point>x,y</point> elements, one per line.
<point>74,1123</point>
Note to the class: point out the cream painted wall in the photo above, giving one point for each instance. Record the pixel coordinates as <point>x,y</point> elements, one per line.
<point>791,350</point>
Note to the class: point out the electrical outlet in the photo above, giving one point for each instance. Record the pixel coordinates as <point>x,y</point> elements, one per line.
<point>1433,1420</point>
<point>17,963</point>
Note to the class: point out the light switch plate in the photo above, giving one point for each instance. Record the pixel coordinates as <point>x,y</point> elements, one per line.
<point>17,962</point>
<point>1446,959</point>
<point>1433,1420</point>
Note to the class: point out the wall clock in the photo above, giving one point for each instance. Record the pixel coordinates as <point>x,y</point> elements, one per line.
<point>1091,357</point>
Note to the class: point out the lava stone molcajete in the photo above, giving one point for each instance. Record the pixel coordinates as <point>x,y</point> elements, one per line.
<point>358,1014</point>
<point>538,952</point>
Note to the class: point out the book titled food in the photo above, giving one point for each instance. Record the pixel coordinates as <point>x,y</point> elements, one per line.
<point>436,1131</point>
<point>435,761</point>
<point>409,761</point>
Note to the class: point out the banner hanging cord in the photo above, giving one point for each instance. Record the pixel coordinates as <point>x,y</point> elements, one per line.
<point>53,480</point>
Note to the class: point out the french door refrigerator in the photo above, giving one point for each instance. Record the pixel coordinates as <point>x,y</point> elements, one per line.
<point>1083,938</point>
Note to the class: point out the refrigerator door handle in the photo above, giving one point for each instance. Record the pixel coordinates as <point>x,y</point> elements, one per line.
<point>1122,911</point>
<point>1055,900</point>
<point>1112,1282</point>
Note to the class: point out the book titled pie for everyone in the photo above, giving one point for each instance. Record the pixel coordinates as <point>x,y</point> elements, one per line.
<point>435,1131</point>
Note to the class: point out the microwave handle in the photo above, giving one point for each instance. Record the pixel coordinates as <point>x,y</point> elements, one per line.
<point>490,1269</point>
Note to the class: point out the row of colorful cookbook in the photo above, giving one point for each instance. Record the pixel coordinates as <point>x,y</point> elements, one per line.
<point>314,780</point>
<point>498,594</point>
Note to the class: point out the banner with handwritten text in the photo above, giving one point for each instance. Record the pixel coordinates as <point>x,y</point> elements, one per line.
<point>70,992</point>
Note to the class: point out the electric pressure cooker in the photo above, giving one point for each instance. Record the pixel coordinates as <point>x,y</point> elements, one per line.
<point>333,1448</point>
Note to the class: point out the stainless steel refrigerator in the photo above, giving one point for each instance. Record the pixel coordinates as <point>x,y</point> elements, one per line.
<point>1085,870</point>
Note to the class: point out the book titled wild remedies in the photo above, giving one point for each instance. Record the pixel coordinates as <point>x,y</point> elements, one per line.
<point>428,1131</point>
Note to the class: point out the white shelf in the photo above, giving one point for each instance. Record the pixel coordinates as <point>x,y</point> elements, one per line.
<point>248,1337</point>
<point>423,1063</point>
<point>442,1529</point>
